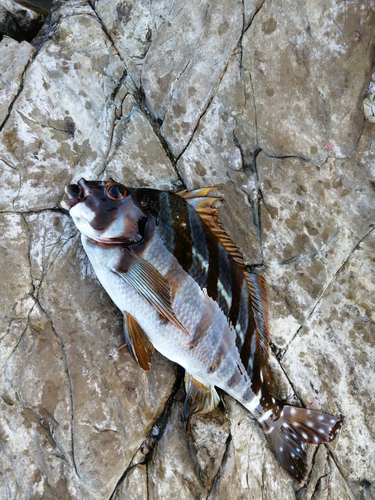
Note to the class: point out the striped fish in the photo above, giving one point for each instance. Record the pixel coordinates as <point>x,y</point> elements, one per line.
<point>183,288</point>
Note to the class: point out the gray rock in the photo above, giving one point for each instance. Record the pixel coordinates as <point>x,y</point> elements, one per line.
<point>308,76</point>
<point>20,20</point>
<point>180,77</point>
<point>14,58</point>
<point>263,99</point>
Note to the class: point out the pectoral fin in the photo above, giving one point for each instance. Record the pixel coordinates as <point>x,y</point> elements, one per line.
<point>150,284</point>
<point>137,341</point>
<point>199,399</point>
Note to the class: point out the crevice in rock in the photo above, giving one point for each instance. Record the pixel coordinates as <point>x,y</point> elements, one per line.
<point>50,25</point>
<point>147,483</point>
<point>144,453</point>
<point>347,484</point>
<point>140,98</point>
<point>206,108</point>
<point>117,113</point>
<point>112,147</point>
<point>319,300</point>
<point>46,269</point>
<point>35,294</point>
<point>221,466</point>
<point>312,255</point>
<point>8,356</point>
<point>256,200</point>
<point>286,301</point>
<point>119,85</point>
<point>257,205</point>
<point>24,31</point>
<point>316,492</point>
<point>243,20</point>
<point>69,129</point>
<point>286,157</point>
<point>19,91</point>
<point>32,287</point>
<point>104,28</point>
<point>12,167</point>
<point>254,15</point>
<point>71,388</point>
<point>307,481</point>
<point>356,146</point>
<point>35,212</point>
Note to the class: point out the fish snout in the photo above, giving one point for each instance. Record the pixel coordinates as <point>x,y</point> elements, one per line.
<point>76,192</point>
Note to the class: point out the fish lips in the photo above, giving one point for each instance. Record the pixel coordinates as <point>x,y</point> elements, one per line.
<point>76,193</point>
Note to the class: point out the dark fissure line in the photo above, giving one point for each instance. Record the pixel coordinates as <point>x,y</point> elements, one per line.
<point>161,423</point>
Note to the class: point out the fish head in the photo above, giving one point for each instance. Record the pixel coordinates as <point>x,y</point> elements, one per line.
<point>105,211</point>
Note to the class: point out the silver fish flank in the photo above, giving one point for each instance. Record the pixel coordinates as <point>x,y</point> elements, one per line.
<point>184,290</point>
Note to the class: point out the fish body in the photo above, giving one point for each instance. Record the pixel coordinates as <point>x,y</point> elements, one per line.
<point>183,288</point>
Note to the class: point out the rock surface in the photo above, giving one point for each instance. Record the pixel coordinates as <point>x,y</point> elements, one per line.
<point>20,20</point>
<point>263,98</point>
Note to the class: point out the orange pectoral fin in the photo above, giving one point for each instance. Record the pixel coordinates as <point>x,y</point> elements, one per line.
<point>150,284</point>
<point>138,343</point>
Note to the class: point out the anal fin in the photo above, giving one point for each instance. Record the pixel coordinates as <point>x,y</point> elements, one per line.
<point>199,399</point>
<point>137,341</point>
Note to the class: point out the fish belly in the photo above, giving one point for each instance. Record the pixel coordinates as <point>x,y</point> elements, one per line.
<point>212,340</point>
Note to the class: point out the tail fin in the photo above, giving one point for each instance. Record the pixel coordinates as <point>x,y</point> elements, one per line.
<point>293,427</point>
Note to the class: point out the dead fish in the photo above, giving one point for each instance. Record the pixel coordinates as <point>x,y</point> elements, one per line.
<point>184,290</point>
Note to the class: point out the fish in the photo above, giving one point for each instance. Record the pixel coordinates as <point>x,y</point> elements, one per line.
<point>183,288</point>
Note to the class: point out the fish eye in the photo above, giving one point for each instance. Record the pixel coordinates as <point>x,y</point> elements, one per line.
<point>116,192</point>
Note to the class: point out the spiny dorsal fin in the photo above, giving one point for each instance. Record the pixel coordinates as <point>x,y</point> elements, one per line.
<point>202,202</point>
<point>203,205</point>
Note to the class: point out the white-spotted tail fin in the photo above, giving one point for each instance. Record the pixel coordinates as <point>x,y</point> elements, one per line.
<point>292,428</point>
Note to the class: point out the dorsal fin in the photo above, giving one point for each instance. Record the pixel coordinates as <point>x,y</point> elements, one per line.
<point>203,205</point>
<point>202,202</point>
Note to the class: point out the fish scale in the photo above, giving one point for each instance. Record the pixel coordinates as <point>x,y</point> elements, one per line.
<point>184,290</point>
<point>158,255</point>
<point>214,270</point>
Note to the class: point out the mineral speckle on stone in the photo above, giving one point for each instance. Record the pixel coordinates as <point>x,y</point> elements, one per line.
<point>265,99</point>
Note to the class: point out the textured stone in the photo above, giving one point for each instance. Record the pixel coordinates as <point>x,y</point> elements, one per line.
<point>137,155</point>
<point>180,76</point>
<point>63,105</point>
<point>134,486</point>
<point>14,58</point>
<point>308,76</point>
<point>132,26</point>
<point>15,271</point>
<point>338,339</point>
<point>261,98</point>
<point>20,20</point>
<point>105,386</point>
<point>249,464</point>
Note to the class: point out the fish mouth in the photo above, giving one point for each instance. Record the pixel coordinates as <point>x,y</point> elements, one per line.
<point>76,192</point>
